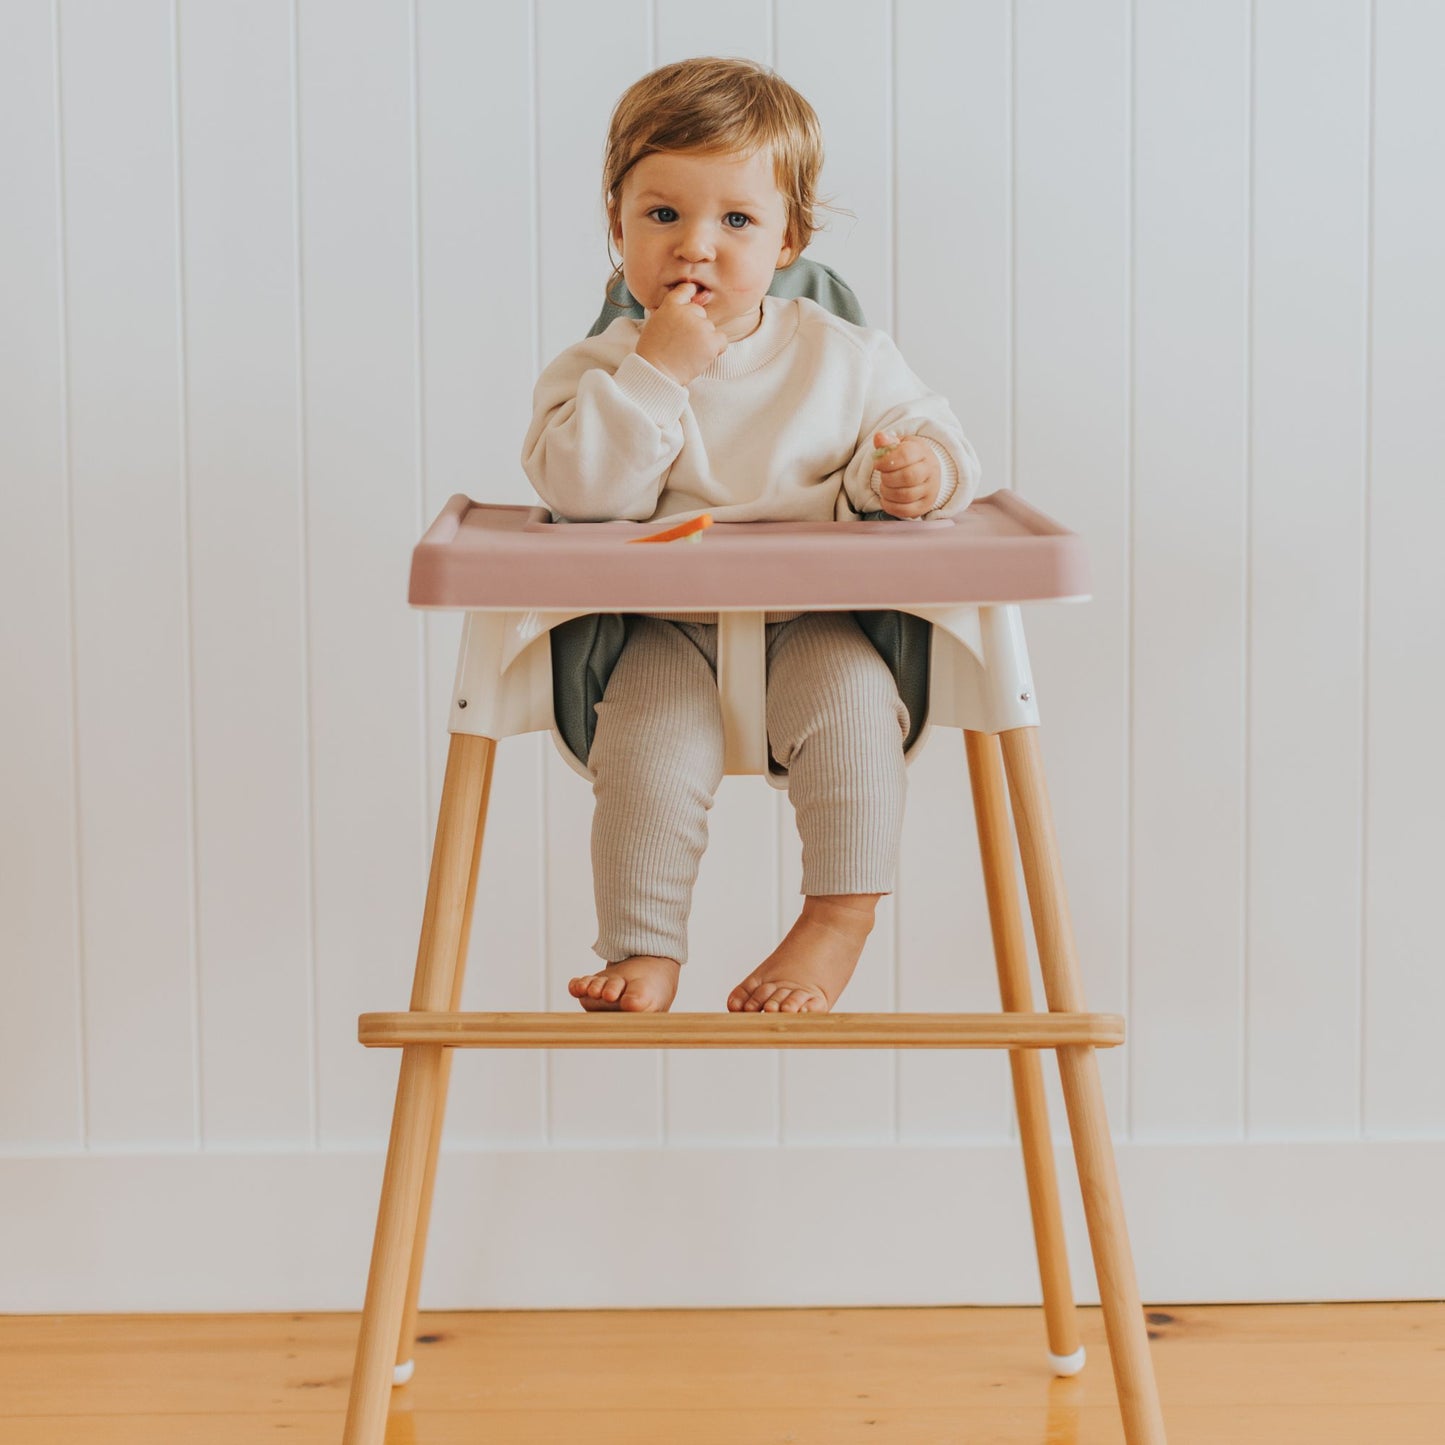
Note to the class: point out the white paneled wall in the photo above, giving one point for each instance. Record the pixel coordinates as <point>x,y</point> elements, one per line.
<point>275,279</point>
<point>1189,495</point>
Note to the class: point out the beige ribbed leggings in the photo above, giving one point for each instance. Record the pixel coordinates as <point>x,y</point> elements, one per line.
<point>834,720</point>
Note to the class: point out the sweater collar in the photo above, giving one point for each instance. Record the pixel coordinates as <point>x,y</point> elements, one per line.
<point>779,323</point>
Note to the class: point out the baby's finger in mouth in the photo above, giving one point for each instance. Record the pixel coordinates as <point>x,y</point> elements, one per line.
<point>696,294</point>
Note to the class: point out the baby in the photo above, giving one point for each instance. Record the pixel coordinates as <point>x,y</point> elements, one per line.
<point>729,400</point>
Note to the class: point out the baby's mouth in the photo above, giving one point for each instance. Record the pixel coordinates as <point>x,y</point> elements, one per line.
<point>700,297</point>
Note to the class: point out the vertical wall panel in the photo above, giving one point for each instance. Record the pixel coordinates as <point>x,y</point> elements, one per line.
<point>243,464</point>
<point>131,572</point>
<point>839,1097</point>
<point>1071,316</point>
<point>952,87</point>
<point>1306,526</point>
<point>726,1096</point>
<point>729,1096</point>
<point>477,282</point>
<point>744,28</point>
<point>1191,252</point>
<point>362,515</point>
<point>953,98</point>
<point>850,84</point>
<point>585,60</point>
<point>1404,1083</point>
<point>41,1101</point>
<point>586,57</point>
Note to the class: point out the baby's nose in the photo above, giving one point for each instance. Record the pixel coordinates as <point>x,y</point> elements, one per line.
<point>695,244</point>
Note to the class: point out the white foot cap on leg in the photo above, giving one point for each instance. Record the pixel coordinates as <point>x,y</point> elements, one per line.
<point>400,1374</point>
<point>1067,1364</point>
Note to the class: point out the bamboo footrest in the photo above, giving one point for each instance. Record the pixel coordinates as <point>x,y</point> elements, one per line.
<point>612,1029</point>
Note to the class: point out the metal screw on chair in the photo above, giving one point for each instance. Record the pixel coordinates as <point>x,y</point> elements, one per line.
<point>1023,697</point>
<point>461,702</point>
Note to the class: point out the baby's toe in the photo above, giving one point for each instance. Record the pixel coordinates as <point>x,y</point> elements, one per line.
<point>759,998</point>
<point>602,986</point>
<point>738,998</point>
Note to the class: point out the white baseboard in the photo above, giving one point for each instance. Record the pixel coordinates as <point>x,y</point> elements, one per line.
<point>716,1227</point>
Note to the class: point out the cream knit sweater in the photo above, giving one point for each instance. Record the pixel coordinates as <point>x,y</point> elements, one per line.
<point>779,427</point>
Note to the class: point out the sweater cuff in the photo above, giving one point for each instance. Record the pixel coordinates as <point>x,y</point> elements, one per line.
<point>651,390</point>
<point>949,485</point>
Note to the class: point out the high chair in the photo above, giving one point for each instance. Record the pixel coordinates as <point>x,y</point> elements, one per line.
<point>940,599</point>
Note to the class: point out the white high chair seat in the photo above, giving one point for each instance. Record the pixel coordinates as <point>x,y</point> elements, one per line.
<point>965,575</point>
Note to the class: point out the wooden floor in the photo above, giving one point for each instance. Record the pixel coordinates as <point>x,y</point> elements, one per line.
<point>1364,1374</point>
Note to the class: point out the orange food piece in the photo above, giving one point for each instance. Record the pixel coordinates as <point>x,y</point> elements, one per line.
<point>677,533</point>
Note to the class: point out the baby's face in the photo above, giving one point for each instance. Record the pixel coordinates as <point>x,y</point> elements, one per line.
<point>716,220</point>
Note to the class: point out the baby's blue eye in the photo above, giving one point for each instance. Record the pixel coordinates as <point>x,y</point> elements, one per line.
<point>663,213</point>
<point>737,216</point>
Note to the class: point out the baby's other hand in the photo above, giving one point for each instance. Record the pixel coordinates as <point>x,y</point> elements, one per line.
<point>908,477</point>
<point>678,338</point>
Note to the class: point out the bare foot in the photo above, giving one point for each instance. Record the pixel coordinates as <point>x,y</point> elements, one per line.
<point>640,984</point>
<point>807,971</point>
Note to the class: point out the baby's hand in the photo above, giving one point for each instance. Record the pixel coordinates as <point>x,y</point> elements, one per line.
<point>909,476</point>
<point>679,339</point>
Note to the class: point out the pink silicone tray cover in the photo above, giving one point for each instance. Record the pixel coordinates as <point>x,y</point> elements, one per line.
<point>478,555</point>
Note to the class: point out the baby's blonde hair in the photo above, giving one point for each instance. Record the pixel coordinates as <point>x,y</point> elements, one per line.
<point>721,107</point>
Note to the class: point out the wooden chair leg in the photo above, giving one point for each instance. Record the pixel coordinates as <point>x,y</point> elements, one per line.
<point>995,845</point>
<point>418,1093</point>
<point>406,1341</point>
<point>405,1358</point>
<point>1083,1094</point>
